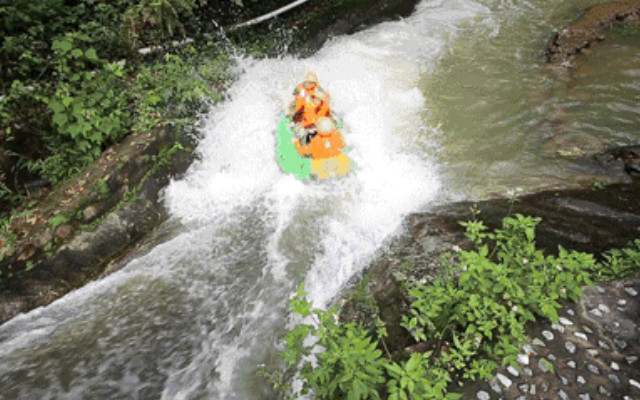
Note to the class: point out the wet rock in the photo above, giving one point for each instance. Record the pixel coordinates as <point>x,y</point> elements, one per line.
<point>26,252</point>
<point>482,395</point>
<point>574,145</point>
<point>45,237</point>
<point>506,382</point>
<point>565,321</point>
<point>621,344</point>
<point>523,359</point>
<point>563,395</point>
<point>593,369</point>
<point>64,231</point>
<point>581,335</point>
<point>90,213</point>
<point>589,28</point>
<point>614,378</point>
<point>495,386</point>
<point>528,349</point>
<point>557,327</point>
<point>604,391</point>
<point>629,156</point>
<point>349,21</point>
<point>538,342</point>
<point>564,380</point>
<point>603,308</point>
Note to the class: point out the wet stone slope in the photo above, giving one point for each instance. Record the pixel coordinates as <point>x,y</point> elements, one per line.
<point>591,353</point>
<point>593,350</point>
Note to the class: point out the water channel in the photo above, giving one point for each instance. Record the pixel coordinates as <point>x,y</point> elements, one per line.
<point>455,101</point>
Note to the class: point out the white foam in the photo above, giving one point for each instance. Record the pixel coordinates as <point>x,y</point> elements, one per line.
<point>371,77</point>
<point>323,232</point>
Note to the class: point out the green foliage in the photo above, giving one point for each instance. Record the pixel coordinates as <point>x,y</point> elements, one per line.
<point>619,262</point>
<point>72,81</point>
<point>348,363</point>
<point>102,187</point>
<point>481,315</point>
<point>88,108</point>
<point>162,16</point>
<point>59,220</point>
<point>472,318</point>
<point>418,379</point>
<point>176,89</point>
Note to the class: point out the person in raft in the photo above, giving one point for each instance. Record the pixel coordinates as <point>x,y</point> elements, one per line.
<point>326,144</point>
<point>310,103</point>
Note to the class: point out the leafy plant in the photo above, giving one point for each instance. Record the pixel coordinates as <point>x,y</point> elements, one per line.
<point>417,379</point>
<point>619,262</point>
<point>102,187</point>
<point>348,363</point>
<point>161,15</point>
<point>478,319</point>
<point>176,89</point>
<point>88,108</point>
<point>59,220</point>
<point>471,318</point>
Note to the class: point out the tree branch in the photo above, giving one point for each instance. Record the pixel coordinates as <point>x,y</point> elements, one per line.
<point>268,15</point>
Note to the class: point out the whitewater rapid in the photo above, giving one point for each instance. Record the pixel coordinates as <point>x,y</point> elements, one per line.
<point>197,315</point>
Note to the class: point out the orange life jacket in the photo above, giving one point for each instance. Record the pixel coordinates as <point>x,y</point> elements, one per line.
<point>322,146</point>
<point>310,104</point>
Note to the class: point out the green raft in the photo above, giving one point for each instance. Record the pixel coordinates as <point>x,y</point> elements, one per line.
<point>288,157</point>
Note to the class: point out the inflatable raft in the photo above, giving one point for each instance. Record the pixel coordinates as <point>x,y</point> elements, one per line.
<point>310,165</point>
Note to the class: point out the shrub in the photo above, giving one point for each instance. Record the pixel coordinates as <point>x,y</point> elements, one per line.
<point>347,360</point>
<point>481,314</point>
<point>471,317</point>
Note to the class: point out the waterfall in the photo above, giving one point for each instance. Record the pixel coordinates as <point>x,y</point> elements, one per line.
<point>197,315</point>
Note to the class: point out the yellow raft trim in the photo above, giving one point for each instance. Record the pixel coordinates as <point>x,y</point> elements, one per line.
<point>333,167</point>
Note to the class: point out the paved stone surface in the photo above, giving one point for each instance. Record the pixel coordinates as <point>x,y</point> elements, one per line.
<point>595,357</point>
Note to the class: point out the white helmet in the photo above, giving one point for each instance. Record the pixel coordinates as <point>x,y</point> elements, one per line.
<point>311,77</point>
<point>325,126</point>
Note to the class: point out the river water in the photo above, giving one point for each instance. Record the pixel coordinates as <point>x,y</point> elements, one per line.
<point>451,102</point>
